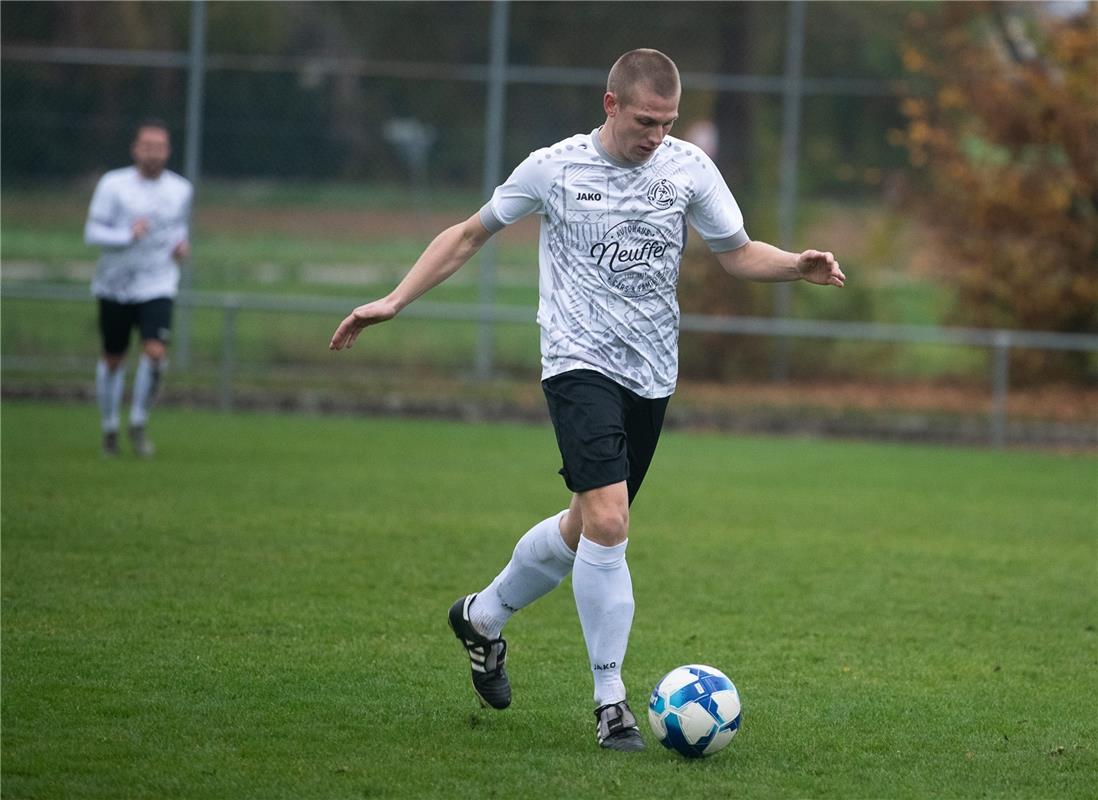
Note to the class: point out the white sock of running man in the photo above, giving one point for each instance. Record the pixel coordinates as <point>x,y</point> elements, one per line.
<point>604,599</point>
<point>541,560</point>
<point>145,383</point>
<point>108,393</point>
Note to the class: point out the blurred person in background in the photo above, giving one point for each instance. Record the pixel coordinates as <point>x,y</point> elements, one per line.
<point>614,206</point>
<point>139,217</point>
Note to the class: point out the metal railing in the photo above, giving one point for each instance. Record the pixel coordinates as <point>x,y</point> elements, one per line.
<point>999,341</point>
<point>499,73</point>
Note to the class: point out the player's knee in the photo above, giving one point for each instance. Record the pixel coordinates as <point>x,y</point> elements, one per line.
<point>155,349</point>
<point>113,360</point>
<point>607,525</point>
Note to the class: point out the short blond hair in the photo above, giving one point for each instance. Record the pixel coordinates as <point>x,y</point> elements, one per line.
<point>647,67</point>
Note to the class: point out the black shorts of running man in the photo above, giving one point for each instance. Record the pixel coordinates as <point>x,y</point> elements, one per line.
<point>153,319</point>
<point>605,432</point>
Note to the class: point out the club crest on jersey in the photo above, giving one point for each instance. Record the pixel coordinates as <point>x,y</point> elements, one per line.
<point>661,194</point>
<point>631,257</point>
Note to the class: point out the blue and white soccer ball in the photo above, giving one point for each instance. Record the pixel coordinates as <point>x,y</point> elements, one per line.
<point>695,710</point>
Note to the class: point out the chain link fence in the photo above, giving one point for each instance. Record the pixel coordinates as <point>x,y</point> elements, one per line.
<point>444,103</point>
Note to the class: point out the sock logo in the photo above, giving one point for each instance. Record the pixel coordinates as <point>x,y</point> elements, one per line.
<point>599,667</point>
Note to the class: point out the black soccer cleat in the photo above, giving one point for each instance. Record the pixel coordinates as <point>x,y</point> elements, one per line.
<point>486,657</point>
<point>616,728</point>
<point>110,445</point>
<point>142,447</point>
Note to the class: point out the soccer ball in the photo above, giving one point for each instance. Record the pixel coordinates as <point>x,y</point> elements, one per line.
<point>695,710</point>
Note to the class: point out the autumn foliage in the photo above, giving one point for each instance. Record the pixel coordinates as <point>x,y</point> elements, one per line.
<point>1002,122</point>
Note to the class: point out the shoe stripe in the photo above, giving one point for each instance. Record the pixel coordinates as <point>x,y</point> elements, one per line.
<point>486,657</point>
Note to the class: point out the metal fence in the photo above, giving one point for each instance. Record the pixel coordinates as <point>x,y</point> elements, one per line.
<point>999,342</point>
<point>792,87</point>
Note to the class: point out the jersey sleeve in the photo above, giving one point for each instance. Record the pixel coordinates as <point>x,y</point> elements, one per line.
<point>522,194</point>
<point>714,213</point>
<point>103,227</point>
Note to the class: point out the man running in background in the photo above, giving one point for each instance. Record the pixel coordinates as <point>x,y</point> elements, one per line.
<point>139,217</point>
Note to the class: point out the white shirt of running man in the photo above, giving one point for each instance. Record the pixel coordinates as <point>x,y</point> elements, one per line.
<point>136,271</point>
<point>612,236</point>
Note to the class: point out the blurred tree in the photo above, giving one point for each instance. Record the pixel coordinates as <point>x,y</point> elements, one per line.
<point>842,130</point>
<point>1004,128</point>
<point>845,152</point>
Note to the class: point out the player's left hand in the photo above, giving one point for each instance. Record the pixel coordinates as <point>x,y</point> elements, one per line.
<point>362,317</point>
<point>181,251</point>
<point>820,268</point>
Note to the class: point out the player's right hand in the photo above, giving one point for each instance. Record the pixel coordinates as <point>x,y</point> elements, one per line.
<point>361,317</point>
<point>140,228</point>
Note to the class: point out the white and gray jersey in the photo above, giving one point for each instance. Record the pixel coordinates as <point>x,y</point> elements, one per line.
<point>135,271</point>
<point>612,236</point>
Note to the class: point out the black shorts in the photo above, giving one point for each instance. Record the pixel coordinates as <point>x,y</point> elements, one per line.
<point>153,319</point>
<point>606,433</point>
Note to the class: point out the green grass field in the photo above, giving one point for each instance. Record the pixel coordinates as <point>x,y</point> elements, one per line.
<point>259,613</point>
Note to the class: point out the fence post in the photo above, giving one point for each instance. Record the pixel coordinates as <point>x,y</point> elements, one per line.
<point>792,94</point>
<point>192,165</point>
<point>228,353</point>
<point>1000,385</point>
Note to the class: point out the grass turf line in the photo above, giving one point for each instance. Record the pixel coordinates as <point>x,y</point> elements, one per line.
<point>259,612</point>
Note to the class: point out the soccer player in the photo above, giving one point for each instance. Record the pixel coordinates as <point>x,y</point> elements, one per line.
<point>614,206</point>
<point>139,217</point>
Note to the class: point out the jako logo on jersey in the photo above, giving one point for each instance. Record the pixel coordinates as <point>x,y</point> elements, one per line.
<point>662,194</point>
<point>631,258</point>
<point>588,196</point>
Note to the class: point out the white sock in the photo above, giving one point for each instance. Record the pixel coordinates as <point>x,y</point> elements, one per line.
<point>108,393</point>
<point>604,599</point>
<point>541,560</point>
<point>145,384</point>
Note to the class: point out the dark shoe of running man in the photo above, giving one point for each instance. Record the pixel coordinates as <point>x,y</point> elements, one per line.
<point>486,657</point>
<point>617,727</point>
<point>110,445</point>
<point>141,445</point>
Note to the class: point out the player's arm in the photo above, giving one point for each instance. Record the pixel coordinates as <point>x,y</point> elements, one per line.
<point>759,261</point>
<point>103,234</point>
<point>181,250</point>
<point>450,250</point>
<point>105,226</point>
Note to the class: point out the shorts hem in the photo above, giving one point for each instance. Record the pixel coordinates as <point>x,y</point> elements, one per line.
<point>595,484</point>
